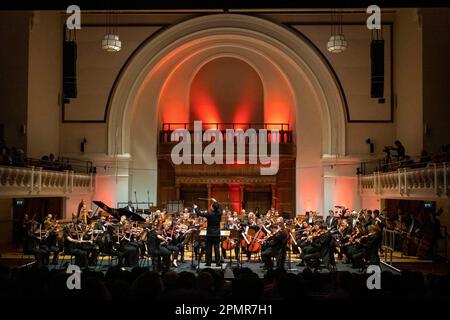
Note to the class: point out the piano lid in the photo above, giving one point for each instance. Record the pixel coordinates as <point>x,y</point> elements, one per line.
<point>117,212</point>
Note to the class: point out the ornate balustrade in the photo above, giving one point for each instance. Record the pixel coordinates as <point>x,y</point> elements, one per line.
<point>432,181</point>
<point>23,181</point>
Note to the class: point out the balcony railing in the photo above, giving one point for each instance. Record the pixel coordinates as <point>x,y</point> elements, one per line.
<point>17,181</point>
<point>284,134</point>
<point>432,180</point>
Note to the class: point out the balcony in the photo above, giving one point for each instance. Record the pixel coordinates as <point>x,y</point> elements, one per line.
<point>283,136</point>
<point>35,181</point>
<point>429,182</point>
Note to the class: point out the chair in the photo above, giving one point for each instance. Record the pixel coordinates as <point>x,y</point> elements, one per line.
<point>61,258</point>
<point>111,256</point>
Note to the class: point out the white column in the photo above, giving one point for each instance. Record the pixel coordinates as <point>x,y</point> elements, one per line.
<point>329,186</point>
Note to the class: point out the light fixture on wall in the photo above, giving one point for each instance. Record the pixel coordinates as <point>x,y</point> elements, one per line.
<point>336,43</point>
<point>111,41</point>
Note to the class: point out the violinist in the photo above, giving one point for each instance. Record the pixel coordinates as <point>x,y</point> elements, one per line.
<point>128,251</point>
<point>104,237</point>
<point>27,229</point>
<point>274,246</point>
<point>156,251</point>
<point>306,239</point>
<point>171,241</point>
<point>50,239</point>
<point>72,242</point>
<point>48,222</point>
<point>351,246</point>
<point>87,243</point>
<point>344,230</point>
<point>367,248</point>
<point>320,247</point>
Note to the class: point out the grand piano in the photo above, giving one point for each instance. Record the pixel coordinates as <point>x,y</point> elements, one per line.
<point>117,212</point>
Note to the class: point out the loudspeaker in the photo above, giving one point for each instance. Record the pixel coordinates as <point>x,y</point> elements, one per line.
<point>70,69</point>
<point>83,145</point>
<point>377,68</point>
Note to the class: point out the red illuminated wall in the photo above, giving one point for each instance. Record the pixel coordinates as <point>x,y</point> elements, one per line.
<point>227,90</point>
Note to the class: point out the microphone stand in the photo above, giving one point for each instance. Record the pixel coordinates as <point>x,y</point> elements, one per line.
<point>137,203</point>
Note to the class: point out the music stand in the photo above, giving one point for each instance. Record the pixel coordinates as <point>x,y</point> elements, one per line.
<point>201,234</point>
<point>195,236</point>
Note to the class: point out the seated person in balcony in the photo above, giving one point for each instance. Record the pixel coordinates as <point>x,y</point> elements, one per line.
<point>424,159</point>
<point>400,150</point>
<point>5,155</point>
<point>18,157</point>
<point>407,162</point>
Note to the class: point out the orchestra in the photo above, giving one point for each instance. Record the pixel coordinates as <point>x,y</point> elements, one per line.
<point>163,237</point>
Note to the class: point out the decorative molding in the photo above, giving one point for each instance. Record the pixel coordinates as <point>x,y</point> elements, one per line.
<point>405,183</point>
<point>301,57</point>
<point>34,181</point>
<point>226,179</point>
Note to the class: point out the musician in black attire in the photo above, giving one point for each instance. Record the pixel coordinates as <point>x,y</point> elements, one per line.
<point>72,244</point>
<point>50,243</point>
<point>368,248</point>
<point>231,225</point>
<point>156,251</point>
<point>27,230</point>
<point>274,247</point>
<point>128,252</point>
<point>104,236</point>
<point>129,207</point>
<point>212,231</point>
<point>331,221</point>
<point>320,248</point>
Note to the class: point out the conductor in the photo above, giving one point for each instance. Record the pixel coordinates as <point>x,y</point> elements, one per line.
<point>212,231</point>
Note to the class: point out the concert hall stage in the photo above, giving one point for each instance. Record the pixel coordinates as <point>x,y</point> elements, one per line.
<point>14,260</point>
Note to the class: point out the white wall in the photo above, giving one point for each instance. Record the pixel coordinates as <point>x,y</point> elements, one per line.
<point>14,28</point>
<point>97,71</point>
<point>408,80</point>
<point>44,84</point>
<point>352,67</point>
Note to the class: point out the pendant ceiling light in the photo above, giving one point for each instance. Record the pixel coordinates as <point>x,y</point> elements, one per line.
<point>111,41</point>
<point>336,43</point>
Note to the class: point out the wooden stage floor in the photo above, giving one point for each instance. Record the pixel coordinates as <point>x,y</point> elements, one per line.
<point>17,260</point>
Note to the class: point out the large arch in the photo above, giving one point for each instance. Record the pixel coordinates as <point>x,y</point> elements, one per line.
<point>316,97</point>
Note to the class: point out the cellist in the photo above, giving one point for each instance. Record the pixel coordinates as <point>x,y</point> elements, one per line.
<point>230,244</point>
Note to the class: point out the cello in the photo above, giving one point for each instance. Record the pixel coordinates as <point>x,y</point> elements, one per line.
<point>255,242</point>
